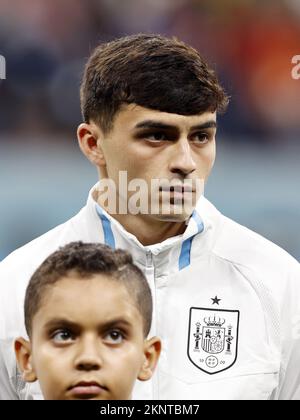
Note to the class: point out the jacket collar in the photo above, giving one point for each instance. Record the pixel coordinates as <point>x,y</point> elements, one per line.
<point>198,223</point>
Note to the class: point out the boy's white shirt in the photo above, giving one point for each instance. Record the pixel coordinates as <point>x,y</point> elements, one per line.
<point>248,345</point>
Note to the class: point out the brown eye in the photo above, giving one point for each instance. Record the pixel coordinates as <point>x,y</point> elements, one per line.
<point>114,337</point>
<point>62,336</point>
<point>156,136</point>
<point>201,138</point>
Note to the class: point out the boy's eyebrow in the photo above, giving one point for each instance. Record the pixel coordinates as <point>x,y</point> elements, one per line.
<point>61,322</point>
<point>114,322</point>
<point>65,323</point>
<point>152,124</point>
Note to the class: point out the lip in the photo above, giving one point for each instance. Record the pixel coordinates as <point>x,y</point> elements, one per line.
<point>86,389</point>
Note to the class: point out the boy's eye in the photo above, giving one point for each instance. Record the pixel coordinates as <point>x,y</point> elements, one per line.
<point>156,136</point>
<point>114,337</point>
<point>62,336</point>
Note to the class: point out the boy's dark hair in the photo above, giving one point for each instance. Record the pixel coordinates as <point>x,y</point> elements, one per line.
<point>151,71</point>
<point>85,260</point>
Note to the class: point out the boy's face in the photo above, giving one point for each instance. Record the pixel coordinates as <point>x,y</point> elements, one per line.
<point>88,341</point>
<point>150,144</point>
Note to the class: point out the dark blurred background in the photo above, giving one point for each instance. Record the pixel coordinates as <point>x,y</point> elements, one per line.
<point>43,177</point>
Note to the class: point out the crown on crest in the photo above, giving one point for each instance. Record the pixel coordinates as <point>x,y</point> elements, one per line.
<point>214,322</point>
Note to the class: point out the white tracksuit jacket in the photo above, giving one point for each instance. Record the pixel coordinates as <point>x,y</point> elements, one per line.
<point>226,306</point>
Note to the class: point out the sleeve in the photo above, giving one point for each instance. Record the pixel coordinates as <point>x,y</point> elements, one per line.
<point>289,387</point>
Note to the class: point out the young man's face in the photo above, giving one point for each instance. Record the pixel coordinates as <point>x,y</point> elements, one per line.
<point>88,341</point>
<point>149,144</point>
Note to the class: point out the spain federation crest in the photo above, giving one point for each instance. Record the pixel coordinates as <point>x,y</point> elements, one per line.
<point>213,339</point>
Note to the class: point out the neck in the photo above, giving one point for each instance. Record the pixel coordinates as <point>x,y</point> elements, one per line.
<point>150,232</point>
<point>146,229</point>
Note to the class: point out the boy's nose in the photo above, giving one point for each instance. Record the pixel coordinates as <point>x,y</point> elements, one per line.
<point>88,364</point>
<point>88,356</point>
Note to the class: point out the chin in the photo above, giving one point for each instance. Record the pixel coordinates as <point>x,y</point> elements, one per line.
<point>175,218</point>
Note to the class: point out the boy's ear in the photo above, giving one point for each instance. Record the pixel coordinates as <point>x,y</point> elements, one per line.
<point>24,359</point>
<point>152,349</point>
<point>90,137</point>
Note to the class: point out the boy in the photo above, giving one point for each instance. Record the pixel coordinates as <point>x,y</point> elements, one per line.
<point>88,312</point>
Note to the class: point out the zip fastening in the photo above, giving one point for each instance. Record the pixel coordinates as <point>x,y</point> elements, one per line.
<point>149,259</point>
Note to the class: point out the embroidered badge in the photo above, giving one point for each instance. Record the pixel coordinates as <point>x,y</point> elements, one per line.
<point>213,339</point>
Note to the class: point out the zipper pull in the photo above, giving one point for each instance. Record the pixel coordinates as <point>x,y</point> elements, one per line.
<point>149,259</point>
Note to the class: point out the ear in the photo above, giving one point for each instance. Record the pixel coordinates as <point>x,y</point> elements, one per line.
<point>152,349</point>
<point>90,137</point>
<point>24,359</point>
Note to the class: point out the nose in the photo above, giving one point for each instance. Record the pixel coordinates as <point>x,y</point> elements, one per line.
<point>88,355</point>
<point>182,161</point>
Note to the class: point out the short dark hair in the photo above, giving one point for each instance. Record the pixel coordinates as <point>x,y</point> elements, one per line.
<point>151,71</point>
<point>85,260</point>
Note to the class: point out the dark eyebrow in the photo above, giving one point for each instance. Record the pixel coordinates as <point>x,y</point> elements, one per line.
<point>64,323</point>
<point>61,323</point>
<point>159,125</point>
<point>207,124</point>
<point>114,323</point>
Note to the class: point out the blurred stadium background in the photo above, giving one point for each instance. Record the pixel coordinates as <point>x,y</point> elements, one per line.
<point>43,177</point>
